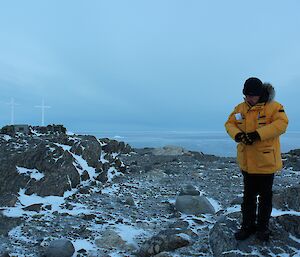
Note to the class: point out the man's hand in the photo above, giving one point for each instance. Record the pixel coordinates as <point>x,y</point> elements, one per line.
<point>247,138</point>
<point>242,138</point>
<point>253,136</point>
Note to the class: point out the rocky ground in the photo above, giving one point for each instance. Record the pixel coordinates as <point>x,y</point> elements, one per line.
<point>127,206</point>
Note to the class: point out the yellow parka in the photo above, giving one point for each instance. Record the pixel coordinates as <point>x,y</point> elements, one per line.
<point>270,121</point>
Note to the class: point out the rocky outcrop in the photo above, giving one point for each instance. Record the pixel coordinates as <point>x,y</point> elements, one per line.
<point>7,224</point>
<point>287,198</point>
<point>292,159</point>
<point>52,164</point>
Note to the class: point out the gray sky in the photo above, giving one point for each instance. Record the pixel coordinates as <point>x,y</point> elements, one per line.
<point>144,65</point>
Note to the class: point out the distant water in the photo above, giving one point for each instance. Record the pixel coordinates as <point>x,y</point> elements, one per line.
<point>217,143</point>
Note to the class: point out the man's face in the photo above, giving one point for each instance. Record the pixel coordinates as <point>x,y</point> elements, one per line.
<point>252,99</point>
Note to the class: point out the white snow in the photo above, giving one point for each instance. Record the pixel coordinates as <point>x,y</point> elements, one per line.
<point>112,172</point>
<point>102,143</point>
<point>235,208</point>
<point>238,252</point>
<point>111,190</point>
<point>64,147</point>
<point>276,212</point>
<point>129,233</point>
<point>184,236</point>
<point>295,239</point>
<point>102,159</point>
<point>54,201</point>
<point>83,163</point>
<point>33,173</point>
<point>114,155</point>
<point>83,244</point>
<point>6,137</point>
<point>52,149</point>
<point>215,204</point>
<point>79,160</point>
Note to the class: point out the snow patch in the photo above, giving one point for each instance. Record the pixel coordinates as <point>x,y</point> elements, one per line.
<point>33,173</point>
<point>129,233</point>
<point>295,239</point>
<point>83,244</point>
<point>233,209</point>
<point>27,200</point>
<point>112,173</point>
<point>6,137</point>
<point>276,212</point>
<point>215,204</point>
<point>111,190</point>
<point>102,159</point>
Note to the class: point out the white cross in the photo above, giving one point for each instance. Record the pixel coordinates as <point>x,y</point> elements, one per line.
<point>43,107</point>
<point>12,114</point>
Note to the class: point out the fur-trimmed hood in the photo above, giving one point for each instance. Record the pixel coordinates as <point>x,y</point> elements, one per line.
<point>268,93</point>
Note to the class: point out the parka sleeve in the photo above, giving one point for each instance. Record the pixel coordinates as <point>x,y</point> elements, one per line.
<point>278,125</point>
<point>231,126</point>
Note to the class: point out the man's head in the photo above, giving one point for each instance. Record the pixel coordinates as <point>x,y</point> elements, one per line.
<point>253,89</point>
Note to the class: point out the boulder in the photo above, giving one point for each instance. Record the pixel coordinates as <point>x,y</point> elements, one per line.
<point>195,205</point>
<point>287,198</point>
<point>167,240</point>
<point>8,200</point>
<point>110,239</point>
<point>189,190</point>
<point>114,146</point>
<point>60,248</point>
<point>7,224</point>
<point>89,148</point>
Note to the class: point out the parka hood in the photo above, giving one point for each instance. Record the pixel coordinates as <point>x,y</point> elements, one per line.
<point>268,93</point>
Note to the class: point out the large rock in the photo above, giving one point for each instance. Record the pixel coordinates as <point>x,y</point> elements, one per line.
<point>292,159</point>
<point>113,146</point>
<point>167,240</point>
<point>60,248</point>
<point>189,190</point>
<point>110,239</point>
<point>7,224</point>
<point>191,204</point>
<point>90,150</point>
<point>287,198</point>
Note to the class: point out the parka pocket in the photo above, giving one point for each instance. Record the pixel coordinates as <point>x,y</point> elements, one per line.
<point>266,157</point>
<point>240,155</point>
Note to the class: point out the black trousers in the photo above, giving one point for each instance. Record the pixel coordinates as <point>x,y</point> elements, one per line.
<point>257,200</point>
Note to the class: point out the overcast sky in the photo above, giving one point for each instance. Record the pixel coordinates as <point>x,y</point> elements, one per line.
<point>144,65</point>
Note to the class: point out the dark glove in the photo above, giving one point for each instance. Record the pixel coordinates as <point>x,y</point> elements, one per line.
<point>239,137</point>
<point>242,137</point>
<point>253,136</point>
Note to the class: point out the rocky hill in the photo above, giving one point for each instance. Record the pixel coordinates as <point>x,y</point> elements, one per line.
<point>76,195</point>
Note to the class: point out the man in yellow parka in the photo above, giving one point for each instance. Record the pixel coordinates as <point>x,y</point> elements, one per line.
<point>256,125</point>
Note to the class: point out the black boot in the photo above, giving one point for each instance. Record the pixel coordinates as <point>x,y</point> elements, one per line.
<point>263,235</point>
<point>244,232</point>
